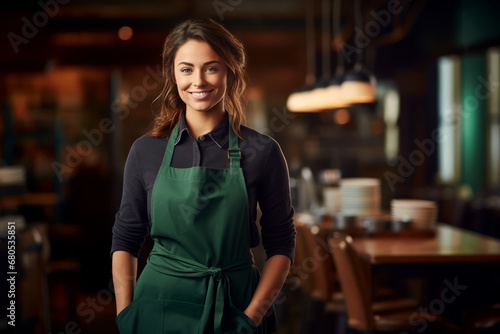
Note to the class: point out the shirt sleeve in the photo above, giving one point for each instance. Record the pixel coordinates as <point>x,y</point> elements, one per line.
<point>278,229</point>
<point>131,221</point>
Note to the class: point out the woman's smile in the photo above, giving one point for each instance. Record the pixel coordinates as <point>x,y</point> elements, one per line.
<point>200,95</point>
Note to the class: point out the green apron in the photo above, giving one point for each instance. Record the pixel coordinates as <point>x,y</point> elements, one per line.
<point>199,276</point>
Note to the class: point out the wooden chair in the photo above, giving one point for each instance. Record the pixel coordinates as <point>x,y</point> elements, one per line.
<point>318,269</point>
<point>298,273</point>
<point>361,313</point>
<point>322,302</point>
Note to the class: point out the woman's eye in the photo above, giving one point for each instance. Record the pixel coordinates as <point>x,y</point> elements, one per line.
<point>212,69</point>
<point>185,70</point>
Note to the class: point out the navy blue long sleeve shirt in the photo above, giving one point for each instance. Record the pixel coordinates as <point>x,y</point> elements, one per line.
<point>264,168</point>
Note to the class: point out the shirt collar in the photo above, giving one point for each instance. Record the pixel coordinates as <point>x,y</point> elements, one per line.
<point>219,133</point>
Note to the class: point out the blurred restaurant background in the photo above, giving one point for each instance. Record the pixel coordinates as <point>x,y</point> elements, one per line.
<point>376,104</point>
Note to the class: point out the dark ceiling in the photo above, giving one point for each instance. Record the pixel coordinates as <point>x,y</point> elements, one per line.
<point>85,31</point>
<point>72,27</point>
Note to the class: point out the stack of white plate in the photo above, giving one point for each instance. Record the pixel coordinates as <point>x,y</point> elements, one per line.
<point>332,200</point>
<point>12,175</point>
<point>360,196</point>
<point>421,213</point>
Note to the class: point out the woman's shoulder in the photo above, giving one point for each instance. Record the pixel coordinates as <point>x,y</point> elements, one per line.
<point>255,138</point>
<point>259,147</point>
<point>148,144</point>
<point>149,139</point>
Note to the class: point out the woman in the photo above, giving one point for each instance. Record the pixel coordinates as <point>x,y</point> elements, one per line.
<point>194,183</point>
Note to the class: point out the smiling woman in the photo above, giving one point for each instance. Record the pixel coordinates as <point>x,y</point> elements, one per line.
<point>181,46</point>
<point>194,183</point>
<point>201,78</point>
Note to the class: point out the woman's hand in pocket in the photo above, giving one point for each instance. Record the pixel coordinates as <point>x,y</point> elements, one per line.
<point>255,315</point>
<point>124,277</point>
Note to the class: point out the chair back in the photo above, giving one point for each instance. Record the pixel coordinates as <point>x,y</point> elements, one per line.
<point>353,281</point>
<point>298,273</point>
<point>320,265</point>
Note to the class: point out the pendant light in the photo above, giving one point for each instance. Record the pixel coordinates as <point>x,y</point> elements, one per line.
<point>326,93</point>
<point>358,85</point>
<point>300,100</point>
<point>318,95</point>
<point>334,98</point>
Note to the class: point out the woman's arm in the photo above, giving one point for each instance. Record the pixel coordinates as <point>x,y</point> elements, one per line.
<point>124,277</point>
<point>130,227</point>
<point>273,276</point>
<point>278,230</point>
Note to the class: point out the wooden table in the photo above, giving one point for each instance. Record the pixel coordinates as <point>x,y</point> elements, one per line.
<point>450,244</point>
<point>453,254</point>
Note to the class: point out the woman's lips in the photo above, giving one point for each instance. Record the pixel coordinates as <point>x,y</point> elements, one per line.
<point>201,94</point>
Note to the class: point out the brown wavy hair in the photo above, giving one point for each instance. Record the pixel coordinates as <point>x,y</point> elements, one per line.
<point>169,105</point>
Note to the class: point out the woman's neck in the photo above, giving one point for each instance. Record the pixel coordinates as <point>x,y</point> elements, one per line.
<point>199,122</point>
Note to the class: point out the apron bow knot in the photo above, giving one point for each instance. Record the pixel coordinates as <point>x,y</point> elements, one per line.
<point>215,272</point>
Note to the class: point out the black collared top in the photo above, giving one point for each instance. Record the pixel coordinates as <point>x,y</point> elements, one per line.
<point>266,178</point>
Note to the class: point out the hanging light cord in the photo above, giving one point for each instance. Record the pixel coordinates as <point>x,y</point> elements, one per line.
<point>310,43</point>
<point>358,21</point>
<point>339,71</point>
<point>325,38</point>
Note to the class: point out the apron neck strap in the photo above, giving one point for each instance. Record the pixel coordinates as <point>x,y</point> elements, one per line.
<point>233,153</point>
<point>169,151</point>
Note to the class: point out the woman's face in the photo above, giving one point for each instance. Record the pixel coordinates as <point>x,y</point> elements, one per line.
<point>201,77</point>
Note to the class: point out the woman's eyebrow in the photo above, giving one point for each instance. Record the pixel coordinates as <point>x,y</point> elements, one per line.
<point>207,63</point>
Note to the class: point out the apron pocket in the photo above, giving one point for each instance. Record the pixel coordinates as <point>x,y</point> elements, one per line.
<point>181,317</point>
<point>141,316</point>
<point>239,322</point>
<point>155,316</point>
<point>123,312</point>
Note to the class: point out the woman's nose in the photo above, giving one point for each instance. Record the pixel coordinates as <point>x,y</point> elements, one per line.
<point>199,79</point>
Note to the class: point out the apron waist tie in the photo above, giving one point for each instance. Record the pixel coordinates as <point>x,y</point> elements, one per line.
<point>163,261</point>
